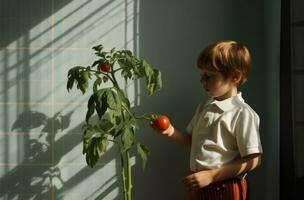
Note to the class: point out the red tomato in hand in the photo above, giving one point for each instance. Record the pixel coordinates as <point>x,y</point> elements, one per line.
<point>105,67</point>
<point>162,122</point>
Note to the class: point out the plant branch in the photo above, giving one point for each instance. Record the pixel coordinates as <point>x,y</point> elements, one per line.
<point>105,74</point>
<point>114,81</point>
<point>128,111</point>
<point>116,70</point>
<point>144,116</point>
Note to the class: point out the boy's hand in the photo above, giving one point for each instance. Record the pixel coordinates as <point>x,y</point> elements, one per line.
<point>198,180</point>
<point>168,132</point>
<point>162,125</point>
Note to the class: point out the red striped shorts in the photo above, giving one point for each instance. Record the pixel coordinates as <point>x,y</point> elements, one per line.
<point>232,189</point>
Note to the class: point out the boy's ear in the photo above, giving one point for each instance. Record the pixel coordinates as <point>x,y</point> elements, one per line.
<point>236,78</point>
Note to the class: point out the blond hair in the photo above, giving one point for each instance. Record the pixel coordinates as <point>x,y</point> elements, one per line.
<point>226,57</point>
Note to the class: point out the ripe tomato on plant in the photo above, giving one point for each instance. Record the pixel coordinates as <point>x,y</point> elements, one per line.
<point>161,122</point>
<point>105,67</point>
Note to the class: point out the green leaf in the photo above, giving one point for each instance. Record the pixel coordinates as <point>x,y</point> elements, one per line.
<point>74,71</point>
<point>127,138</point>
<point>85,147</point>
<point>139,70</point>
<point>102,55</point>
<point>88,133</point>
<point>143,152</point>
<point>70,83</point>
<point>155,83</point>
<point>115,116</point>
<point>126,73</point>
<point>147,69</point>
<point>113,100</point>
<point>92,153</point>
<point>82,78</point>
<point>122,63</point>
<point>91,107</point>
<point>127,52</point>
<point>73,74</point>
<point>112,116</point>
<point>86,75</point>
<point>104,144</point>
<point>96,62</point>
<point>82,86</point>
<point>88,160</point>
<point>101,146</point>
<point>98,48</point>
<point>124,100</point>
<point>105,124</point>
<point>110,99</point>
<point>149,76</point>
<point>97,83</point>
<point>94,148</point>
<point>158,79</point>
<point>105,79</point>
<point>127,61</point>
<point>118,133</point>
<point>132,122</point>
<point>101,103</point>
<point>153,77</point>
<point>113,132</point>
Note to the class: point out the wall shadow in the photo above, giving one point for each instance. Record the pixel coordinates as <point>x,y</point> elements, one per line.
<point>34,177</point>
<point>18,17</point>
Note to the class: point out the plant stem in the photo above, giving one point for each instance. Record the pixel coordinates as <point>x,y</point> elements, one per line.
<point>130,186</point>
<point>144,116</point>
<point>117,70</point>
<point>114,81</point>
<point>126,109</point>
<point>123,175</point>
<point>127,191</point>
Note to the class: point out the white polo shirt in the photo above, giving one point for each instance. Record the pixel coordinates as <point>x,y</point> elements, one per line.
<point>222,131</point>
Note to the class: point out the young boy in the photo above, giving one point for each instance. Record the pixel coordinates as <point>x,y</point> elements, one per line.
<point>224,132</point>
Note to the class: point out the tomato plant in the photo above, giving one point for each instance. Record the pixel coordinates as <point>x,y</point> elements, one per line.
<point>116,122</point>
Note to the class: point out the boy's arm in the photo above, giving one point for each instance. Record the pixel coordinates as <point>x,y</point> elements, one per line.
<point>180,138</point>
<point>230,170</point>
<point>236,167</point>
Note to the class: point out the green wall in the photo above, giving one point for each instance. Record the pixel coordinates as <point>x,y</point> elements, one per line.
<point>40,123</point>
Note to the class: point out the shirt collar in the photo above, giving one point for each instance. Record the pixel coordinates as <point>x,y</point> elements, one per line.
<point>227,104</point>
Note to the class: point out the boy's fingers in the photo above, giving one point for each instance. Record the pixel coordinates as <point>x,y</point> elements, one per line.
<point>190,184</point>
<point>187,180</point>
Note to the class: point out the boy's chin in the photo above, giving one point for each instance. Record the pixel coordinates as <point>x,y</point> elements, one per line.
<point>208,92</point>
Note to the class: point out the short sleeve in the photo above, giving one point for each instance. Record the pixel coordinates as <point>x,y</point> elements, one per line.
<point>247,132</point>
<point>194,119</point>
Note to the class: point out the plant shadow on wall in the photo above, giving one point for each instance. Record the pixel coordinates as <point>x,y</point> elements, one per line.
<point>27,176</point>
<point>35,176</point>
